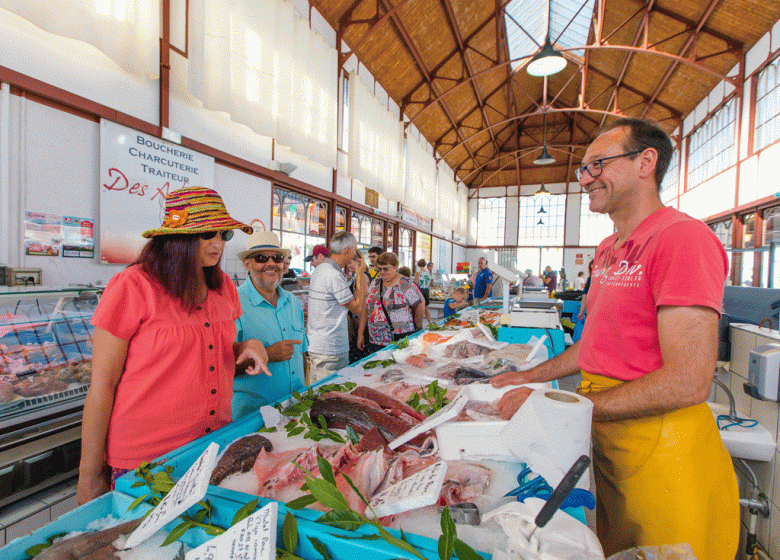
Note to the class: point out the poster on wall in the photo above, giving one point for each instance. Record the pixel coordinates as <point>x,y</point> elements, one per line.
<point>78,238</point>
<point>42,234</point>
<point>137,171</point>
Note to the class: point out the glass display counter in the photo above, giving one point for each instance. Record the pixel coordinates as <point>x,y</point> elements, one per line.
<point>45,371</point>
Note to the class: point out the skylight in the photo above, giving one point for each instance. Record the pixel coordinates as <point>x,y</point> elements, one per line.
<point>529,17</point>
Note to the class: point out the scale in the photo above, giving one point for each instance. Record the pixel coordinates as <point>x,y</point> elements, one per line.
<point>535,309</point>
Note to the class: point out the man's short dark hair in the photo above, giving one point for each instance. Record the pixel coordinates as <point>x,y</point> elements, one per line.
<point>376,250</point>
<point>645,134</point>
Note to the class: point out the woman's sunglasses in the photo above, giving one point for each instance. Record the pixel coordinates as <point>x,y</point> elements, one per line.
<point>226,235</point>
<point>262,258</point>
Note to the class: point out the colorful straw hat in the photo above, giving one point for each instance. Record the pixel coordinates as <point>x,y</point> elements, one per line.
<point>262,241</point>
<point>195,210</point>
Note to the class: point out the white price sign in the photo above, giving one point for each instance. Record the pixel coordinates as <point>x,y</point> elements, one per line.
<point>419,490</point>
<point>190,489</point>
<point>447,413</point>
<point>254,538</point>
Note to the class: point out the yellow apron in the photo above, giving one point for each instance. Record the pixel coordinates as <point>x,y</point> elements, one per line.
<point>664,479</point>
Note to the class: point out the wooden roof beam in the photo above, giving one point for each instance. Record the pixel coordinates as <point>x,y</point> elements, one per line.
<point>641,31</point>
<point>683,52</point>
<point>447,5</point>
<point>421,66</point>
<point>733,43</point>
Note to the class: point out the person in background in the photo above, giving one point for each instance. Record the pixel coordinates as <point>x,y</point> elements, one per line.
<point>405,271</point>
<point>550,279</point>
<point>274,317</point>
<point>579,282</point>
<point>358,323</point>
<point>373,255</point>
<point>286,271</point>
<point>532,279</point>
<point>584,300</point>
<point>318,255</point>
<point>422,277</point>
<point>329,300</point>
<point>164,350</point>
<point>395,305</point>
<point>647,357</point>
<point>432,284</point>
<point>483,282</point>
<point>458,301</point>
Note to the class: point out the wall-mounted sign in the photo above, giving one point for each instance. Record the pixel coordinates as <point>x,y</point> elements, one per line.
<point>416,219</point>
<point>136,172</point>
<point>42,234</point>
<point>78,237</point>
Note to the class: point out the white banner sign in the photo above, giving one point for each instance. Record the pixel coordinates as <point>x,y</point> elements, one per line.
<point>136,172</point>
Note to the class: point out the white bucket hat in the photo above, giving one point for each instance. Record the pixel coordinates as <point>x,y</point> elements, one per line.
<point>261,241</point>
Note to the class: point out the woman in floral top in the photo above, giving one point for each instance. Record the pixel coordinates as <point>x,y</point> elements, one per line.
<point>395,304</point>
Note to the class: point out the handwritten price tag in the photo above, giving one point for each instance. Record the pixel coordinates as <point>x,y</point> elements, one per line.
<point>254,538</point>
<point>419,490</point>
<point>186,493</point>
<point>447,413</point>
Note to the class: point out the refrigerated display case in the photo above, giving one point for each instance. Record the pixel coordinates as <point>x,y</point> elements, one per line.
<point>45,371</point>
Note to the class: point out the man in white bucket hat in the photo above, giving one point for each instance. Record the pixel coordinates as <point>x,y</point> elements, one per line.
<point>272,316</point>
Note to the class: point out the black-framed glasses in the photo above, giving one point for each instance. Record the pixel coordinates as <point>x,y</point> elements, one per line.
<point>595,167</point>
<point>226,234</point>
<point>263,258</point>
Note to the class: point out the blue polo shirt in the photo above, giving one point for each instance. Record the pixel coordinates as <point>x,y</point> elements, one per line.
<point>268,324</point>
<point>484,277</point>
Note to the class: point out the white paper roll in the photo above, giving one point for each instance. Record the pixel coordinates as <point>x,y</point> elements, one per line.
<point>549,433</point>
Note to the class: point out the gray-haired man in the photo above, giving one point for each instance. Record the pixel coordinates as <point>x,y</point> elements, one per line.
<point>329,300</point>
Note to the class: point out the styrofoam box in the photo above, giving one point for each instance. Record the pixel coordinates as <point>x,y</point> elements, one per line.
<point>481,440</point>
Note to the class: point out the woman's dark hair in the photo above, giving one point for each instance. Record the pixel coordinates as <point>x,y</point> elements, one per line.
<point>173,261</point>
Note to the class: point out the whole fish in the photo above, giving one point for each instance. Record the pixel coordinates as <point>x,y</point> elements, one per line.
<point>83,546</point>
<point>466,375</point>
<point>239,457</point>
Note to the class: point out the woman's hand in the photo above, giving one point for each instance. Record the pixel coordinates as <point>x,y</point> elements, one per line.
<point>253,350</point>
<point>360,342</point>
<point>92,483</point>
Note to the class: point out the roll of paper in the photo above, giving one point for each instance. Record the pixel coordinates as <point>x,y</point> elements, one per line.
<point>549,432</point>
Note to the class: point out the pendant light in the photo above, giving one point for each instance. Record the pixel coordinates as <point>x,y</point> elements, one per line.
<point>542,191</point>
<point>548,61</point>
<point>540,222</point>
<point>544,158</point>
<point>541,210</point>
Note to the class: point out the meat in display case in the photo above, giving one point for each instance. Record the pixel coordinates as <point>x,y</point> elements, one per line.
<point>45,371</point>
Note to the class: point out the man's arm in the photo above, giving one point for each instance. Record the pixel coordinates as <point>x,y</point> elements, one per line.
<point>560,366</point>
<point>359,301</point>
<point>688,337</point>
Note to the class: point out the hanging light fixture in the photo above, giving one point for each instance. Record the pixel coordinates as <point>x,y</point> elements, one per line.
<point>544,158</point>
<point>542,191</point>
<point>548,61</point>
<point>540,222</point>
<point>541,210</point>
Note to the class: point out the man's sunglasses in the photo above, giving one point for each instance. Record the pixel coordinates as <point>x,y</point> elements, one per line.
<point>262,258</point>
<point>226,235</point>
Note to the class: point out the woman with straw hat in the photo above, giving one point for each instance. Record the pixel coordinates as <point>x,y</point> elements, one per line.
<point>164,354</point>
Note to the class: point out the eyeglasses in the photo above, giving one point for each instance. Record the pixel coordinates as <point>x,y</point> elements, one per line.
<point>595,167</point>
<point>263,258</point>
<point>226,235</point>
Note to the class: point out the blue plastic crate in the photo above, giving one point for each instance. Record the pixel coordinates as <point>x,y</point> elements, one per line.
<point>116,504</point>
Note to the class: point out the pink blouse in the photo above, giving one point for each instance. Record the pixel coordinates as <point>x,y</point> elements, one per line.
<point>178,378</point>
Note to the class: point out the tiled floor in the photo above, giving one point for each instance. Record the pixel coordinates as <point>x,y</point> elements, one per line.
<point>24,517</point>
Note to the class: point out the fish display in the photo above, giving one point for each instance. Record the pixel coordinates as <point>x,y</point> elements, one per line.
<point>239,457</point>
<point>39,385</point>
<point>96,546</point>
<point>343,409</point>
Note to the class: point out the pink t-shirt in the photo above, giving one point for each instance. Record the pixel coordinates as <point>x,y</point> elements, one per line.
<point>669,259</point>
<point>178,379</point>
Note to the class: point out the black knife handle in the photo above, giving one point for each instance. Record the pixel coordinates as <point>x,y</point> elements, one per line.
<point>562,491</point>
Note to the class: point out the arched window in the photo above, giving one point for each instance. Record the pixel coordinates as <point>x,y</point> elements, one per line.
<point>711,146</point>
<point>594,227</point>
<point>541,220</point>
<point>490,221</point>
<point>767,123</point>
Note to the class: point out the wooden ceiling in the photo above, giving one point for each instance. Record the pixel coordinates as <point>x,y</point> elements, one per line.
<point>446,64</point>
